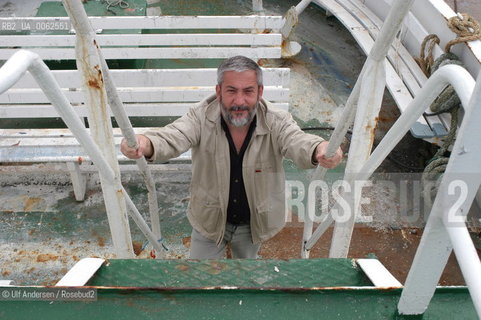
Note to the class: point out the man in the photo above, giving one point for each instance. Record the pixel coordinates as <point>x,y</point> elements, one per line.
<point>238,141</point>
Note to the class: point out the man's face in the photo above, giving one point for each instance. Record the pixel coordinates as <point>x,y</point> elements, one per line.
<point>238,95</point>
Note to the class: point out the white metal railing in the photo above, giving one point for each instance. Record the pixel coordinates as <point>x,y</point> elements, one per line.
<point>445,228</point>
<point>89,58</point>
<point>362,107</point>
<point>23,61</point>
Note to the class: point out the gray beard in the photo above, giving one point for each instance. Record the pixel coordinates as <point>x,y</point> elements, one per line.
<point>235,121</point>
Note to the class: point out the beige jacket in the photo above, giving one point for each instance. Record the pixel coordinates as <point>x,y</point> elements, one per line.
<point>276,136</point>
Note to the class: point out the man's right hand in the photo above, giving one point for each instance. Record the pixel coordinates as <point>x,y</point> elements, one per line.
<point>145,148</point>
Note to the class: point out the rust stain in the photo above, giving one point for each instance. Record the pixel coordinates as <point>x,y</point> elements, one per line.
<point>217,267</point>
<point>101,241</point>
<point>94,83</point>
<point>99,71</point>
<point>30,203</point>
<point>6,273</point>
<point>372,130</point>
<point>16,144</point>
<point>80,160</point>
<point>186,242</point>
<point>182,267</point>
<point>44,257</point>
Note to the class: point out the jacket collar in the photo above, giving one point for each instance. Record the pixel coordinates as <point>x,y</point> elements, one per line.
<point>264,118</point>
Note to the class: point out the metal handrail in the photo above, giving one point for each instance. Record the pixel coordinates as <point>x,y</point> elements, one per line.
<point>86,38</point>
<point>14,68</point>
<point>363,104</point>
<point>446,228</point>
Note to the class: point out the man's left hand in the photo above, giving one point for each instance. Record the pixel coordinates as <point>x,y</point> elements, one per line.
<point>320,156</point>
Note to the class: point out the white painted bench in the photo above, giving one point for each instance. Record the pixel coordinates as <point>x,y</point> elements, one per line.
<point>146,93</point>
<point>178,37</point>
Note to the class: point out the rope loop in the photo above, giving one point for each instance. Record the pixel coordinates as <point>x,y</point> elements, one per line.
<point>113,3</point>
<point>425,60</point>
<point>465,27</point>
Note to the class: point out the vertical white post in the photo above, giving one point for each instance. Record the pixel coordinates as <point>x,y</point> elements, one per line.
<point>369,104</point>
<point>79,180</point>
<point>88,62</point>
<point>125,126</point>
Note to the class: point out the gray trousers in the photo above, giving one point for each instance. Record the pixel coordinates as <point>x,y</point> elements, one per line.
<point>239,238</point>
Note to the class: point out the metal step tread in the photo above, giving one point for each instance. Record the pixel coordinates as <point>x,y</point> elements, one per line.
<point>310,273</point>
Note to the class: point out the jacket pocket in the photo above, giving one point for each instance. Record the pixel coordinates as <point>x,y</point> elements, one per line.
<point>206,210</point>
<point>271,213</point>
<point>268,184</point>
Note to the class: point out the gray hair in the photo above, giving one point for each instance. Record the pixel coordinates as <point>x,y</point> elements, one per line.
<point>239,64</point>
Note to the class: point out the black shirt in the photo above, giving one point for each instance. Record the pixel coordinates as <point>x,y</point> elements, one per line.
<point>238,211</point>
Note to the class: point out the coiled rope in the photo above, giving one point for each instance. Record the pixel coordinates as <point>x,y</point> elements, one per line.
<point>466,29</point>
<point>447,101</point>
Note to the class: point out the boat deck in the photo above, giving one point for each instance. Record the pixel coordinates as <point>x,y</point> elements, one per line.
<point>45,231</point>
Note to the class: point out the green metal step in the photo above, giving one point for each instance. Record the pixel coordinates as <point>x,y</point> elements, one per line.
<point>307,273</point>
<point>236,289</point>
